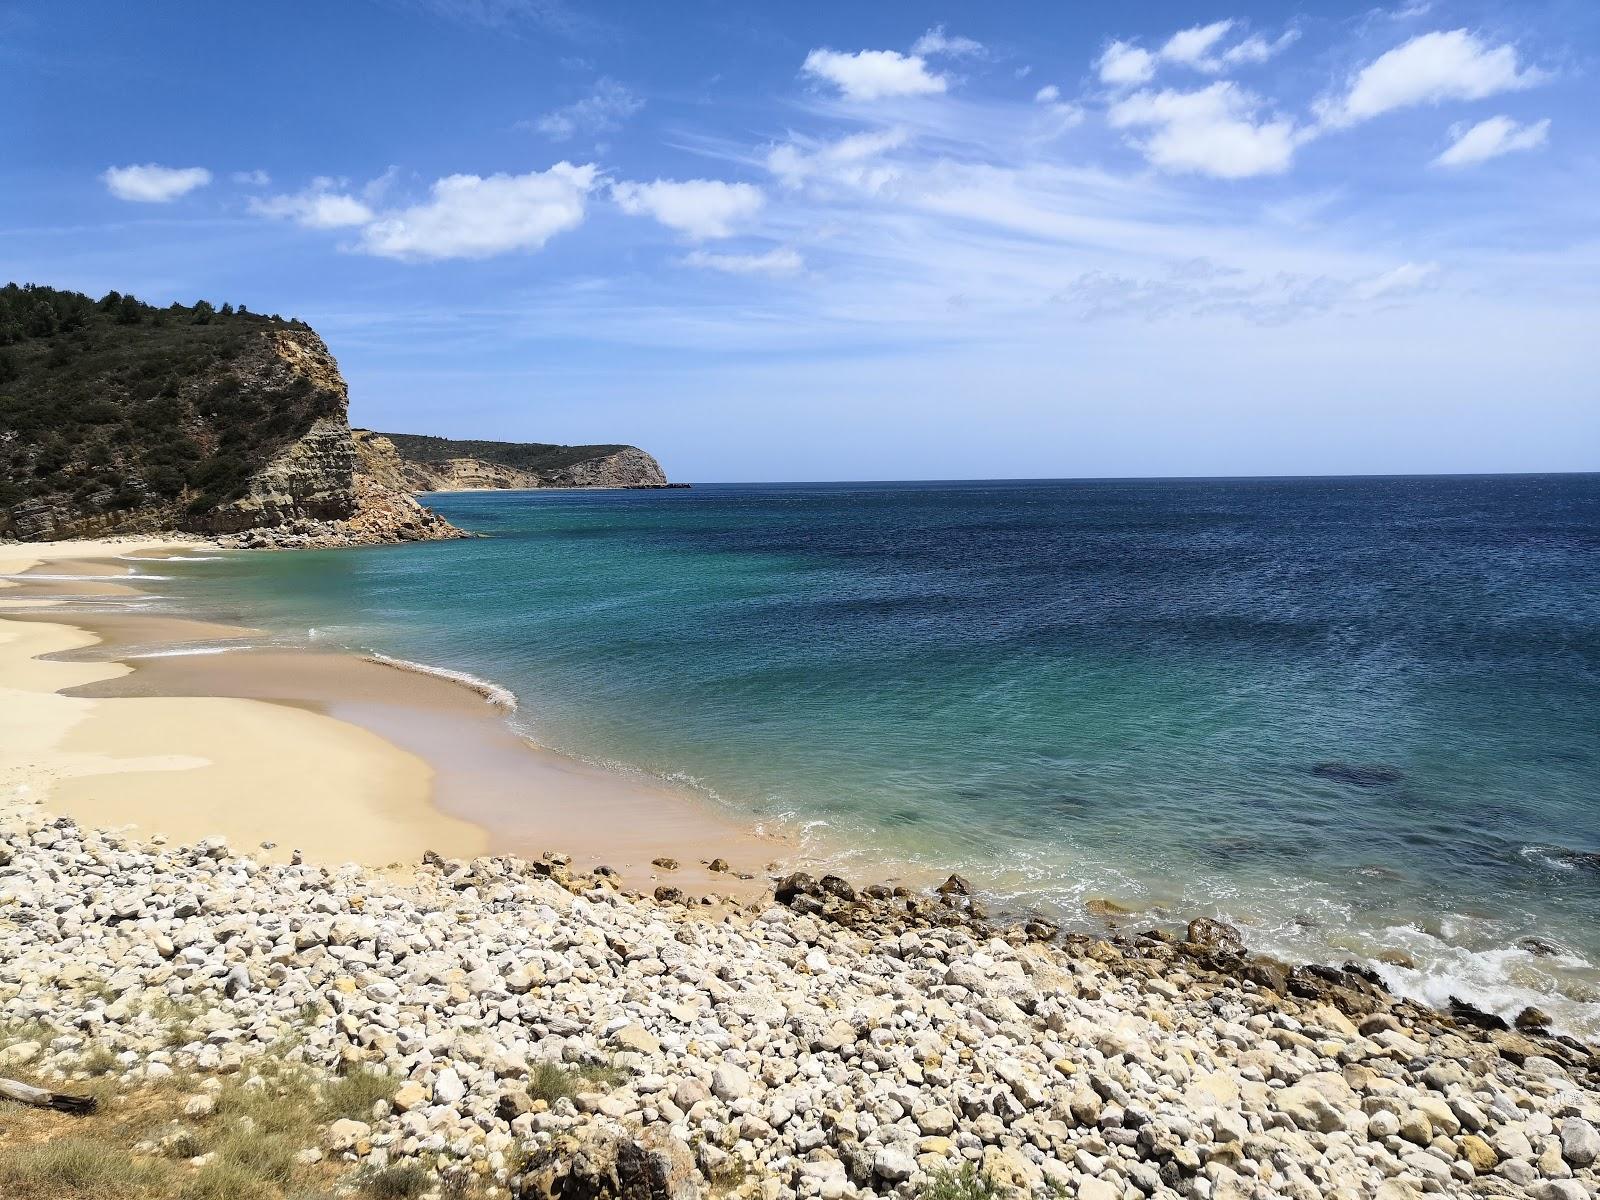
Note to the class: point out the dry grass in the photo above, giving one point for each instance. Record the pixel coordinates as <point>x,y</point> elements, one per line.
<point>70,1167</point>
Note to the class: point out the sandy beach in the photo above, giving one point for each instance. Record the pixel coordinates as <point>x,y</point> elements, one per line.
<point>118,722</point>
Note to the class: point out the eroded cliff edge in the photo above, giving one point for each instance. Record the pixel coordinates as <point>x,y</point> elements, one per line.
<point>421,463</point>
<point>120,417</point>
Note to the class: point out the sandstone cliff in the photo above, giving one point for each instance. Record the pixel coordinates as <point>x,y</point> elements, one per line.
<point>116,416</point>
<point>431,464</point>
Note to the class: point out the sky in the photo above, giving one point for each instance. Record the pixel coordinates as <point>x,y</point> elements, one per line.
<point>860,240</point>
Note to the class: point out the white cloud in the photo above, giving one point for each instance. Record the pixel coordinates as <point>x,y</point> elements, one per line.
<point>781,261</point>
<point>1257,49</point>
<point>853,161</point>
<point>1192,47</point>
<point>936,41</point>
<point>251,178</point>
<point>1428,69</point>
<point>1213,131</point>
<point>874,74</point>
<point>1404,280</point>
<point>152,184</point>
<point>1048,94</point>
<point>1490,139</point>
<point>470,216</point>
<point>603,109</point>
<point>1125,65</point>
<point>320,206</point>
<point>698,208</point>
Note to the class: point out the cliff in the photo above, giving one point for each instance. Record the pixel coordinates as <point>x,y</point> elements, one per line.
<point>116,416</point>
<point>432,464</point>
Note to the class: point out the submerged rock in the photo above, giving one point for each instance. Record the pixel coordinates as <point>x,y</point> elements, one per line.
<point>1365,775</point>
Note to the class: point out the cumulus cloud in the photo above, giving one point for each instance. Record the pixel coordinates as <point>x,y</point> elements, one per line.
<point>1214,131</point>
<point>1123,64</point>
<point>697,208</point>
<point>1490,139</point>
<point>1048,94</point>
<point>853,161</point>
<point>1428,69</point>
<point>874,74</point>
<point>936,41</point>
<point>323,205</point>
<point>780,261</point>
<point>1193,47</point>
<point>153,184</point>
<point>470,216</point>
<point>602,110</point>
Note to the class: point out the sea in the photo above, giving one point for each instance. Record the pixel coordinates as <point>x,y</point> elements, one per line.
<point>1357,717</point>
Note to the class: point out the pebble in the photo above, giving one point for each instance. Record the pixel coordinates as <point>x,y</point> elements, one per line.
<point>810,1049</point>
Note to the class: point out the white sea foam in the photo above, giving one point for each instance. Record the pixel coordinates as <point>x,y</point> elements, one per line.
<point>186,652</point>
<point>500,697</point>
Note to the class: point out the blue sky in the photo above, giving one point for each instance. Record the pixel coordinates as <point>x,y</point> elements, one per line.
<point>852,240</point>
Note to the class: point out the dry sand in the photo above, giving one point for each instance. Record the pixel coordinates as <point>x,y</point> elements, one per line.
<point>346,759</point>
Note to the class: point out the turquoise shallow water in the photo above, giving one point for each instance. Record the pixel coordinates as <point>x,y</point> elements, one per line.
<point>1349,714</point>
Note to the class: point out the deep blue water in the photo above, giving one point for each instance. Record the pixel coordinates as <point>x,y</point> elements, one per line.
<point>1350,713</point>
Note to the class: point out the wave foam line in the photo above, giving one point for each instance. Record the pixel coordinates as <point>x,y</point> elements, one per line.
<point>186,652</point>
<point>500,697</point>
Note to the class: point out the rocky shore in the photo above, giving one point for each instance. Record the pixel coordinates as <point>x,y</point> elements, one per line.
<point>509,1026</point>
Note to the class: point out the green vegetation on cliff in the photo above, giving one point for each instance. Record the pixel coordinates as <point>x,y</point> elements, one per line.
<point>533,457</point>
<point>118,414</point>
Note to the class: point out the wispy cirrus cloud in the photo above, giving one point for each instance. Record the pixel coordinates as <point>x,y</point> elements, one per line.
<point>782,260</point>
<point>603,110</point>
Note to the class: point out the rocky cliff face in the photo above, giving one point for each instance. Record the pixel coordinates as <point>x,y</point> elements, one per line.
<point>120,417</point>
<point>429,464</point>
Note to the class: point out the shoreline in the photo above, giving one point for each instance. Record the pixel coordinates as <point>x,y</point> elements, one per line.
<point>408,758</point>
<point>485,789</point>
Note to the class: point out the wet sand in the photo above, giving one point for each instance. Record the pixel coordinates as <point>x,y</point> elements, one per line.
<point>345,758</point>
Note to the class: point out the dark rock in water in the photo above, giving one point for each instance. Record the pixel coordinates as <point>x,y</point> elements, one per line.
<point>1471,1014</point>
<point>1215,935</point>
<point>1268,973</point>
<point>666,864</point>
<point>835,886</point>
<point>1041,930</point>
<point>878,891</point>
<point>718,865</point>
<point>1588,859</point>
<point>1532,1020</point>
<point>800,883</point>
<point>956,885</point>
<point>1539,946</point>
<point>669,895</point>
<point>1359,774</point>
<point>1397,958</point>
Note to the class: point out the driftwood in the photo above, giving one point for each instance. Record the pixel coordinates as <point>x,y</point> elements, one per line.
<point>22,1093</point>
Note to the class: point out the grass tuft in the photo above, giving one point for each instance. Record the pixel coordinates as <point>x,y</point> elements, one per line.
<point>402,1181</point>
<point>354,1094</point>
<point>73,1167</point>
<point>963,1183</point>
